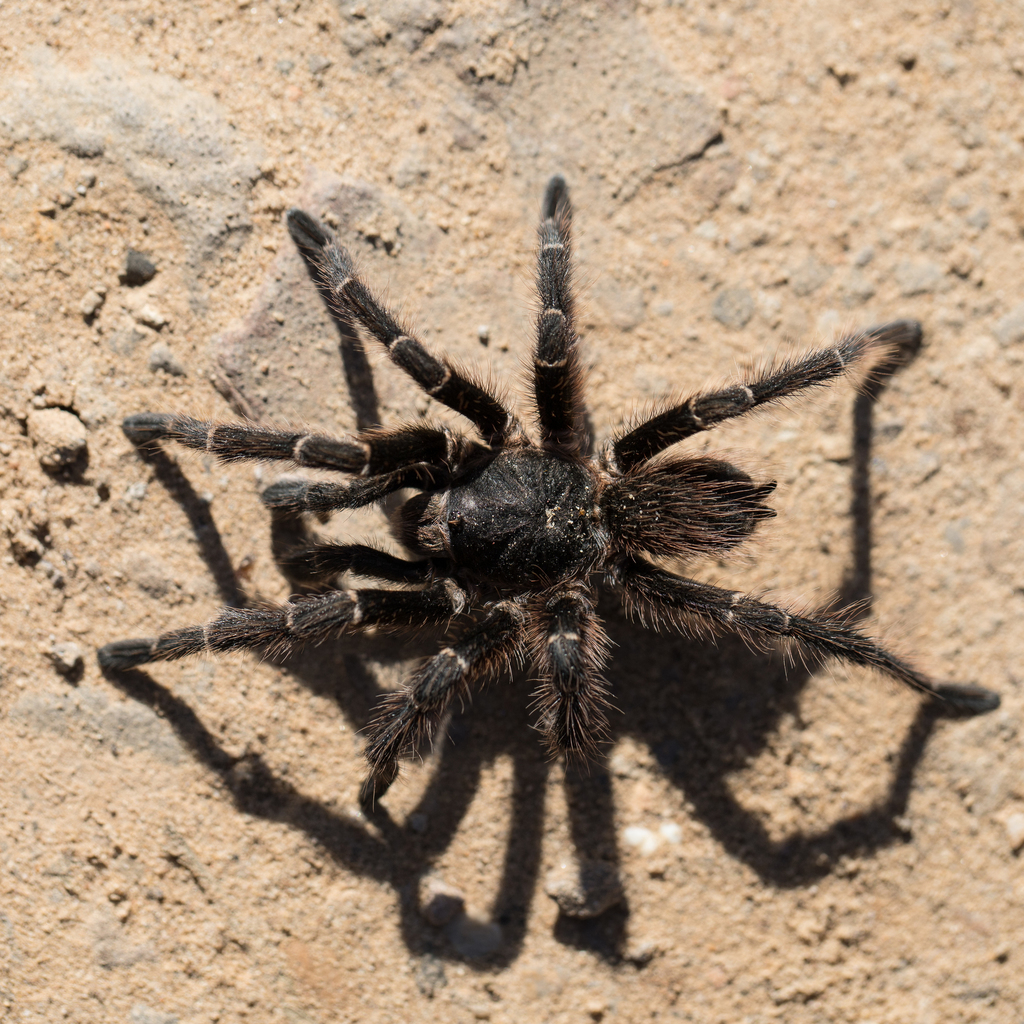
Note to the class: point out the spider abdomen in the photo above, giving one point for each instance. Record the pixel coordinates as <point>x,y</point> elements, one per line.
<point>527,517</point>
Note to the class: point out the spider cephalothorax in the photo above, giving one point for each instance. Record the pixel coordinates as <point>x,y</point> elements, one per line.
<point>510,536</point>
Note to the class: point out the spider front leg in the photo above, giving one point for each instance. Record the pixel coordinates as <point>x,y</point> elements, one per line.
<point>707,409</point>
<point>410,717</point>
<point>557,377</point>
<point>570,649</point>
<point>278,629</point>
<point>677,600</point>
<point>351,299</point>
<point>369,453</point>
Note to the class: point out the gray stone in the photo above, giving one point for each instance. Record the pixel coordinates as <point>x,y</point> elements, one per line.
<point>598,127</point>
<point>116,724</point>
<point>624,306</point>
<point>174,143</point>
<point>979,219</point>
<point>113,948</point>
<point>125,341</point>
<point>733,307</point>
<point>162,358</point>
<point>16,165</point>
<point>143,1014</point>
<point>148,573</point>
<point>586,892</point>
<point>856,286</point>
<point>318,64</point>
<point>1009,329</point>
<point>429,974</point>
<point>809,276</point>
<point>285,67</point>
<point>472,938</point>
<point>59,438</point>
<point>918,278</point>
<point>138,269</point>
<point>392,244</point>
<point>93,406</point>
<point>864,257</point>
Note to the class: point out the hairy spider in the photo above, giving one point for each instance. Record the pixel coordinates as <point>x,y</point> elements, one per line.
<point>510,535</point>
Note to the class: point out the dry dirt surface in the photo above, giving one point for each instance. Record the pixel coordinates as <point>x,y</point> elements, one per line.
<point>763,841</point>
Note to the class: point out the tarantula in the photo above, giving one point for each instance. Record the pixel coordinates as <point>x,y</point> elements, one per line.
<point>511,535</point>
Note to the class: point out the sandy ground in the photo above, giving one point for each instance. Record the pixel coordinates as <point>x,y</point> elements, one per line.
<point>184,843</point>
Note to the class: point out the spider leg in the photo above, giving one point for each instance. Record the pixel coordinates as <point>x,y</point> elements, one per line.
<point>293,496</point>
<point>557,377</point>
<point>351,299</point>
<point>706,409</point>
<point>407,718</point>
<point>368,453</point>
<point>277,629</point>
<point>570,649</point>
<point>679,600</point>
<point>322,561</point>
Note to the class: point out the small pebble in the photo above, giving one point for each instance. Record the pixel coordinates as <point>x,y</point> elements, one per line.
<point>26,547</point>
<point>733,307</point>
<point>138,269</point>
<point>59,437</point>
<point>642,838</point>
<point>439,901</point>
<point>979,219</point>
<point>90,304</point>
<point>918,278</point>
<point>124,341</point>
<point>809,276</point>
<point>143,1014</point>
<point>1009,329</point>
<point>585,892</point>
<point>162,358</point>
<point>318,64</point>
<point>472,938</point>
<point>1015,831</point>
<point>285,66</point>
<point>483,334</point>
<point>151,317</point>
<point>67,658</point>
<point>16,166</point>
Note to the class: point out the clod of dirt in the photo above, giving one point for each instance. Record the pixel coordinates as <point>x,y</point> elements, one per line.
<point>67,659</point>
<point>162,358</point>
<point>59,437</point>
<point>26,548</point>
<point>91,302</point>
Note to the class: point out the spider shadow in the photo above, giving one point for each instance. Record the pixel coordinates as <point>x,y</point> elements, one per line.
<point>702,711</point>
